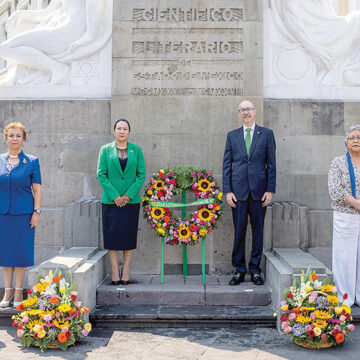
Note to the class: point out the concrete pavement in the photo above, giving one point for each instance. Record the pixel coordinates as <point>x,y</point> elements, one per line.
<point>181,344</point>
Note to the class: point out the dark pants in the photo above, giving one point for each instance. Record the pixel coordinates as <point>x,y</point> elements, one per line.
<point>256,213</point>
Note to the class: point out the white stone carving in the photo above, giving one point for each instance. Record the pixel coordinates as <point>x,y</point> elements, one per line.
<point>311,51</point>
<point>65,46</point>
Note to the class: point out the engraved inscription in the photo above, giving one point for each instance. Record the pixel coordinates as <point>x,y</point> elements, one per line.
<point>187,91</point>
<point>181,75</point>
<point>185,15</point>
<point>192,47</point>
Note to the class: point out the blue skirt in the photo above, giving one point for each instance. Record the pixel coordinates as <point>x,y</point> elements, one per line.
<point>16,241</point>
<point>120,226</point>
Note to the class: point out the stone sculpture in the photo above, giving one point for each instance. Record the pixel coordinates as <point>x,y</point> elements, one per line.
<point>311,44</point>
<point>42,44</point>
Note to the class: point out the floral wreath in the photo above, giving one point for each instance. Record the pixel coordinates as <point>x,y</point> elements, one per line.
<point>157,206</point>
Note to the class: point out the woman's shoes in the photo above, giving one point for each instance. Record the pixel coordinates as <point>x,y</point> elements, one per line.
<point>124,282</point>
<point>120,282</point>
<point>117,282</point>
<point>18,303</point>
<point>6,303</point>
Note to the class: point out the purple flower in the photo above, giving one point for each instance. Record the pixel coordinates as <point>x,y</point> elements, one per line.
<point>84,332</point>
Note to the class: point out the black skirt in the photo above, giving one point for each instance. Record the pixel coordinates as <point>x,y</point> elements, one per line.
<point>120,226</point>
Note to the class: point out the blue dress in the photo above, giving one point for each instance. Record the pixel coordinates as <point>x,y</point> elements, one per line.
<point>16,209</point>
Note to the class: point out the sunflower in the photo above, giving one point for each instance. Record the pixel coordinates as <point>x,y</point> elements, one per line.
<point>347,308</point>
<point>157,213</point>
<point>204,185</point>
<point>327,288</point>
<point>183,232</point>
<point>321,314</point>
<point>332,299</point>
<point>205,214</point>
<point>32,323</point>
<point>322,324</point>
<point>159,184</point>
<point>303,319</point>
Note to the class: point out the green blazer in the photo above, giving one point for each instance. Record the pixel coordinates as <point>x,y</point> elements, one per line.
<point>113,180</point>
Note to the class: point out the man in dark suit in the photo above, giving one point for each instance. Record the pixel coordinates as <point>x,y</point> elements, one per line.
<point>249,181</point>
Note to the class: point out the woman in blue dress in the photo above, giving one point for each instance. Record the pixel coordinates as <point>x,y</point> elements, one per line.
<point>20,200</point>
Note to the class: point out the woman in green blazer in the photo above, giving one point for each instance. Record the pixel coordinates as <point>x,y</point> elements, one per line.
<point>121,173</point>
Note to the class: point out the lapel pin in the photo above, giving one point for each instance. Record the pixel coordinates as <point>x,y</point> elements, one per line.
<point>258,132</point>
<point>24,161</point>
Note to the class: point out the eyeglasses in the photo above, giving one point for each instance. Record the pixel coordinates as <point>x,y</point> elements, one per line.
<point>353,138</point>
<point>246,110</point>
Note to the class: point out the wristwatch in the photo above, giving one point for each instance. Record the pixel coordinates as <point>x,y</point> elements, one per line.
<point>38,211</point>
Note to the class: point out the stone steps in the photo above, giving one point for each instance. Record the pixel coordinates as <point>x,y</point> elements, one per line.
<point>180,290</point>
<point>184,316</point>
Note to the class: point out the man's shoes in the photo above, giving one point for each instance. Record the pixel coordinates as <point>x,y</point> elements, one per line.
<point>257,279</point>
<point>237,278</point>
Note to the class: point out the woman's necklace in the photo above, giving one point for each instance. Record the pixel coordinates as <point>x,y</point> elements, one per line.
<point>13,156</point>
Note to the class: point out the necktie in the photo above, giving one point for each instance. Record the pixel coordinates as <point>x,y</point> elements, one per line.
<point>248,140</point>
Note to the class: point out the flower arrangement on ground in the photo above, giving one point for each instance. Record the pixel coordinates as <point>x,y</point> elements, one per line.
<point>157,206</point>
<point>313,314</point>
<point>51,316</point>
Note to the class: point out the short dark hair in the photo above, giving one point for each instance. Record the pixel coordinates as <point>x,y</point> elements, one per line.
<point>117,121</point>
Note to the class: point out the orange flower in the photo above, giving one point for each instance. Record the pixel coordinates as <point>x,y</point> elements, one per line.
<point>166,219</point>
<point>339,338</point>
<point>72,311</point>
<point>85,309</point>
<point>53,300</point>
<point>62,337</point>
<point>314,277</point>
<point>296,310</point>
<point>56,278</point>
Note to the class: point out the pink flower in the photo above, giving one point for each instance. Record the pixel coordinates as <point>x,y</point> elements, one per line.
<point>85,333</point>
<point>199,174</point>
<point>20,333</point>
<point>344,332</point>
<point>307,328</point>
<point>323,336</point>
<point>342,317</point>
<point>171,173</point>
<point>25,319</point>
<point>337,327</point>
<point>47,318</point>
<point>312,315</point>
<point>351,327</point>
<point>287,329</point>
<point>282,303</point>
<point>334,289</point>
<point>192,174</point>
<point>64,329</point>
<point>292,316</point>
<point>284,324</point>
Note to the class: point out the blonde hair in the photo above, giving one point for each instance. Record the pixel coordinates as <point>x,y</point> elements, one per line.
<point>15,125</point>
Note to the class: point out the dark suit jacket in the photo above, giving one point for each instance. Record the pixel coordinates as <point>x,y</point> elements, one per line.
<point>254,174</point>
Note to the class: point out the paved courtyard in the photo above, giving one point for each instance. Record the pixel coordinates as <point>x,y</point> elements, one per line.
<point>182,344</point>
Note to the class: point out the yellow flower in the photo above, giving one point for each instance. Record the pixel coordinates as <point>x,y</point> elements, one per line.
<point>307,288</point>
<point>157,213</point>
<point>37,328</point>
<point>64,307</point>
<point>62,290</point>
<point>346,308</point>
<point>87,327</point>
<point>205,214</point>
<point>61,323</point>
<point>159,184</point>
<point>30,301</point>
<point>160,231</point>
<point>317,331</point>
<point>32,323</point>
<point>327,288</point>
<point>162,171</point>
<point>202,232</point>
<point>158,224</point>
<point>24,313</point>
<point>303,319</point>
<point>41,334</point>
<point>220,196</point>
<point>322,314</point>
<point>307,308</point>
<point>194,237</point>
<point>204,185</point>
<point>183,232</point>
<point>320,323</point>
<point>35,312</point>
<point>338,310</point>
<point>284,307</point>
<point>332,299</point>
<point>149,192</point>
<point>144,199</point>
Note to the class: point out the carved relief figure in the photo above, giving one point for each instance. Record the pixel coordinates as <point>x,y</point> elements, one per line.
<point>42,44</point>
<point>332,41</point>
